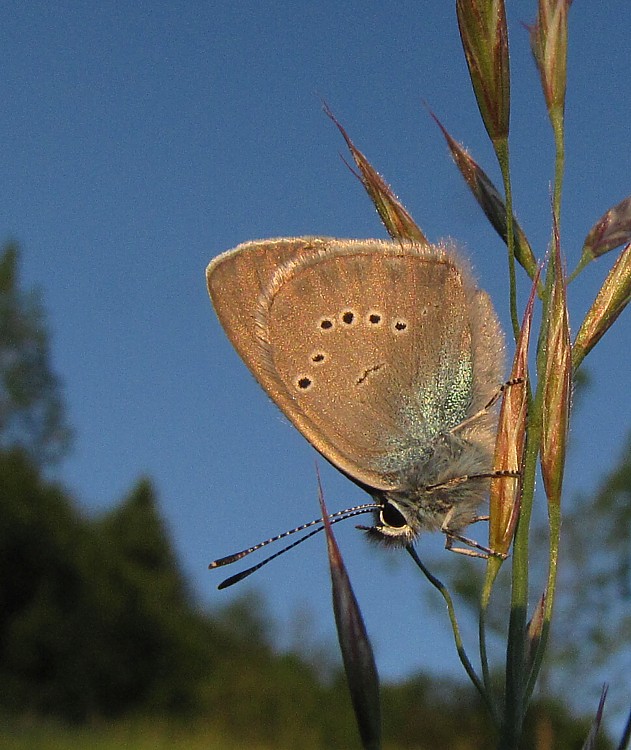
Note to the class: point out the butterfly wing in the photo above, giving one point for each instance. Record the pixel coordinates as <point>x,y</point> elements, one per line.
<point>366,346</point>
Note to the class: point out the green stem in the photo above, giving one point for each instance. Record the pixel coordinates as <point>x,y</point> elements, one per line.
<point>466,663</point>
<point>556,116</point>
<point>521,677</point>
<point>492,569</point>
<point>585,259</point>
<point>554,513</point>
<point>515,690</point>
<point>503,158</point>
<point>515,697</point>
<point>554,503</point>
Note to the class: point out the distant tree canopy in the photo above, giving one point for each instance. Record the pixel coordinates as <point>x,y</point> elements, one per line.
<point>93,621</point>
<point>31,405</point>
<point>593,624</point>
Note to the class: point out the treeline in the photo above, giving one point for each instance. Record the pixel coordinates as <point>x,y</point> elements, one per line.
<point>97,621</point>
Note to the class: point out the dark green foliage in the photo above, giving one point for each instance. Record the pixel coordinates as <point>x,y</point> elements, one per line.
<point>420,713</point>
<point>593,618</point>
<point>88,626</point>
<point>96,621</point>
<point>151,627</point>
<point>31,406</point>
<point>549,724</point>
<point>255,694</point>
<point>39,538</point>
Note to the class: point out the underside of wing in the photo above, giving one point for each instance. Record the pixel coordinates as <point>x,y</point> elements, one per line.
<point>365,346</point>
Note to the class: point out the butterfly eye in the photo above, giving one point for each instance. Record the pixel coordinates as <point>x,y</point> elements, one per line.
<point>390,515</point>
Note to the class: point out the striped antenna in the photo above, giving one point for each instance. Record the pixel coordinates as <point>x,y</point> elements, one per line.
<point>340,515</point>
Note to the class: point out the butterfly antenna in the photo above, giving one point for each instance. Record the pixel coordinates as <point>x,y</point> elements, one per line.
<point>240,555</point>
<point>341,515</point>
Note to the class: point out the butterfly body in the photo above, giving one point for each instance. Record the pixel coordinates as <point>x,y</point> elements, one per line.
<point>384,356</point>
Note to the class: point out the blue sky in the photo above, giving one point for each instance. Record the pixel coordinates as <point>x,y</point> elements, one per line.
<point>141,139</point>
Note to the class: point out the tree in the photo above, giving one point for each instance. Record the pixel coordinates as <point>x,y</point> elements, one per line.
<point>95,619</point>
<point>31,404</point>
<point>594,614</point>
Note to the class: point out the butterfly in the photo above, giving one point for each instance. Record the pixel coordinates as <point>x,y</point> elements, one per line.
<point>385,356</point>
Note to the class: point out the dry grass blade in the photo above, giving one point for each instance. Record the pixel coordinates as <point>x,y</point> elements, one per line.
<point>396,219</point>
<point>484,38</point>
<point>612,298</point>
<point>511,441</point>
<point>590,742</point>
<point>490,200</point>
<point>548,40</point>
<point>612,230</point>
<point>357,654</point>
<point>557,384</point>
<point>535,629</point>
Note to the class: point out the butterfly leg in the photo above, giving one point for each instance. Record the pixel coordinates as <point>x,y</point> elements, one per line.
<point>489,405</point>
<point>473,548</point>
<point>455,481</point>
